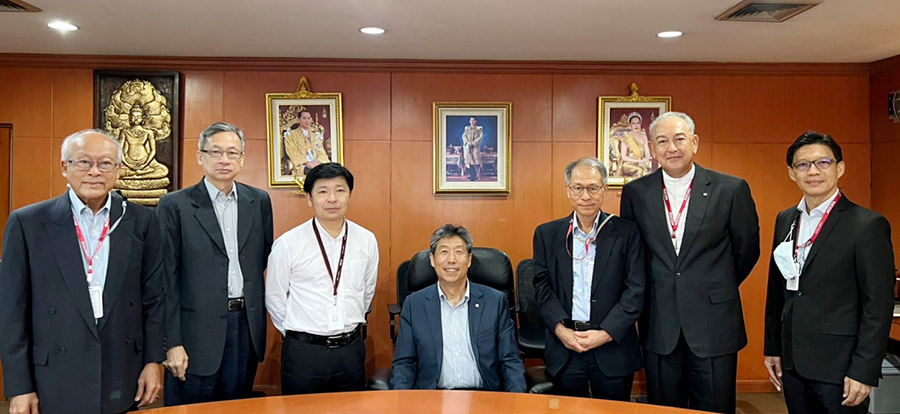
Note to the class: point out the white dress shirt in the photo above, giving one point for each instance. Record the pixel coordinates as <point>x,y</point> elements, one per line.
<point>677,189</point>
<point>299,289</point>
<point>458,366</point>
<point>92,227</point>
<point>808,223</point>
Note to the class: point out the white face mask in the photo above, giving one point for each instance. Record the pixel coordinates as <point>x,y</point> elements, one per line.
<point>784,259</point>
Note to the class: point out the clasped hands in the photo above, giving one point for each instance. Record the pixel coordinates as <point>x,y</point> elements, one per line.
<point>581,341</point>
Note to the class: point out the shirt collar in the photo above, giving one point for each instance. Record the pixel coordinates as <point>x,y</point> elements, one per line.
<point>78,206</point>
<point>821,207</point>
<point>578,229</point>
<point>680,180</point>
<point>465,295</point>
<point>322,230</point>
<point>214,192</point>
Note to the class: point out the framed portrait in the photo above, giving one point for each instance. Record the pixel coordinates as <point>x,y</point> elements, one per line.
<point>472,145</point>
<point>142,110</point>
<point>305,129</point>
<point>623,141</point>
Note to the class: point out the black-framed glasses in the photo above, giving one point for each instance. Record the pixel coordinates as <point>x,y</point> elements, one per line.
<point>821,164</point>
<point>86,165</point>
<point>232,155</point>
<point>579,189</point>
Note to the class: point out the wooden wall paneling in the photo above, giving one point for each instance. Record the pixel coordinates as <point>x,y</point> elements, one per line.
<point>26,101</point>
<point>5,185</point>
<point>886,188</point>
<point>203,103</point>
<point>73,101</point>
<point>31,170</point>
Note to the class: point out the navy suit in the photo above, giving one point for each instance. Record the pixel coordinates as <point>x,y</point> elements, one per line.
<point>50,342</point>
<point>419,349</point>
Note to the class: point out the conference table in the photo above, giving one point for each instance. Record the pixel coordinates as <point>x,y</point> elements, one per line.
<point>420,401</point>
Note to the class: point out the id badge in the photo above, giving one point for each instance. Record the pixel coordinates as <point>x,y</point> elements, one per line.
<point>335,314</point>
<point>793,284</point>
<point>96,293</point>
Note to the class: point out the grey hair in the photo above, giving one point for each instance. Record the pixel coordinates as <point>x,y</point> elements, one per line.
<point>587,161</point>
<point>449,230</point>
<point>681,115</point>
<point>77,139</point>
<point>217,127</point>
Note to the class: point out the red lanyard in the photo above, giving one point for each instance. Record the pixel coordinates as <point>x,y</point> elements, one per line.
<point>587,242</point>
<point>335,278</point>
<point>90,257</point>
<point>673,221</point>
<point>818,228</point>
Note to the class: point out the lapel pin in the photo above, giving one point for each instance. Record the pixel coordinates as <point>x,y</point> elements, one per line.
<point>476,305</point>
<point>705,194</point>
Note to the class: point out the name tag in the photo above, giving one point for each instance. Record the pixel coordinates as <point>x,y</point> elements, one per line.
<point>96,293</point>
<point>793,283</point>
<point>335,315</point>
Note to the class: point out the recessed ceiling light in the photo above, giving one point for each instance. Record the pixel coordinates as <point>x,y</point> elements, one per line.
<point>669,34</point>
<point>62,26</point>
<point>372,30</point>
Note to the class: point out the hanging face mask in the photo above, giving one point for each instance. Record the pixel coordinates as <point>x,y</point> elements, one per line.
<point>784,257</point>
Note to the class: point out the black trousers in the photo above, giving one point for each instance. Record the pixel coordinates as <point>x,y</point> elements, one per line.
<point>683,379</point>
<point>308,368</point>
<point>581,377</point>
<point>235,376</point>
<point>803,395</point>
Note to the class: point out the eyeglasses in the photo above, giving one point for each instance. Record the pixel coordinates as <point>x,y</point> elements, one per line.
<point>232,155</point>
<point>579,190</point>
<point>86,165</point>
<point>822,164</point>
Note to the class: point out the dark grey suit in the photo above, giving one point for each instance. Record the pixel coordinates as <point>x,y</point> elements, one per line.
<point>693,298</point>
<point>50,342</point>
<point>196,267</point>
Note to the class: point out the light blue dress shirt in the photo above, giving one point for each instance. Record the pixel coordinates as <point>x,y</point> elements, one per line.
<point>458,366</point>
<point>583,252</point>
<point>227,215</point>
<point>91,227</point>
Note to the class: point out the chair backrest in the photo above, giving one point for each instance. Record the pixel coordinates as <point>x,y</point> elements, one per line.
<point>490,267</point>
<point>402,271</point>
<point>525,295</point>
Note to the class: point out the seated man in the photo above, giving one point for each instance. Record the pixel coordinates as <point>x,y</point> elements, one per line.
<point>462,336</point>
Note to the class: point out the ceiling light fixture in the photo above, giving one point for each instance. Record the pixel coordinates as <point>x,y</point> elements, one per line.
<point>62,26</point>
<point>372,30</point>
<point>669,34</point>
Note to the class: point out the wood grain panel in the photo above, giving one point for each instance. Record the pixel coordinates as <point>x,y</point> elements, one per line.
<point>73,101</point>
<point>203,100</point>
<point>26,101</point>
<point>414,93</point>
<point>5,188</point>
<point>31,170</point>
<point>886,188</point>
<point>777,109</point>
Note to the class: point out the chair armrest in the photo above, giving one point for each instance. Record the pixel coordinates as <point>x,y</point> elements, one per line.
<point>393,311</point>
<point>537,380</point>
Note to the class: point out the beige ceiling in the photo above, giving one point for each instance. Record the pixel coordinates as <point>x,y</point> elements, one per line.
<point>577,30</point>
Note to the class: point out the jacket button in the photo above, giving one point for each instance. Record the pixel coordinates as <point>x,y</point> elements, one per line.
<point>127,342</point>
<point>62,350</point>
<point>52,311</point>
<point>678,274</point>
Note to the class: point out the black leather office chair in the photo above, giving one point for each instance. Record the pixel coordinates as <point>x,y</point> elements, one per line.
<point>490,267</point>
<point>530,328</point>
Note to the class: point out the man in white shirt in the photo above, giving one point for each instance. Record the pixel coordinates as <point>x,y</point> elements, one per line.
<point>320,283</point>
<point>830,292</point>
<point>701,236</point>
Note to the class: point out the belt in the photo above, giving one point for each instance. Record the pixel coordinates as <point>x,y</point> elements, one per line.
<point>332,341</point>
<point>577,326</point>
<point>235,304</point>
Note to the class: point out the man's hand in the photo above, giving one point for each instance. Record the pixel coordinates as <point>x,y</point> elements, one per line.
<point>855,392</point>
<point>773,366</point>
<point>149,385</point>
<point>568,338</point>
<point>176,361</point>
<point>592,338</point>
<point>24,404</point>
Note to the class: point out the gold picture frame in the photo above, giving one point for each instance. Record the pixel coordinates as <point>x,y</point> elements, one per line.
<point>616,133</point>
<point>293,149</point>
<point>472,147</point>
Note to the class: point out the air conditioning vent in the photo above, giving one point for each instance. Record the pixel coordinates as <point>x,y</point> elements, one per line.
<point>764,11</point>
<point>17,6</point>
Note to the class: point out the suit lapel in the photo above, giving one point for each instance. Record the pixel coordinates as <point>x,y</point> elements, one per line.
<point>563,248</point>
<point>246,214</point>
<point>603,249</point>
<point>829,225</point>
<point>700,195</point>
<point>476,310</point>
<point>206,215</point>
<point>433,313</point>
<point>119,256</point>
<point>67,254</point>
<point>656,208</point>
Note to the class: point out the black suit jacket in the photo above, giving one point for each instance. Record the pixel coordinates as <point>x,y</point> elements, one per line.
<point>697,291</point>
<point>50,342</point>
<point>617,291</point>
<point>197,271</point>
<point>840,317</point>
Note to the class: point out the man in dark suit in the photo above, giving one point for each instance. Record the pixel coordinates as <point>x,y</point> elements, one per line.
<point>830,299</point>
<point>81,293</point>
<point>589,281</point>
<point>216,237</point>
<point>462,336</point>
<point>701,236</point>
